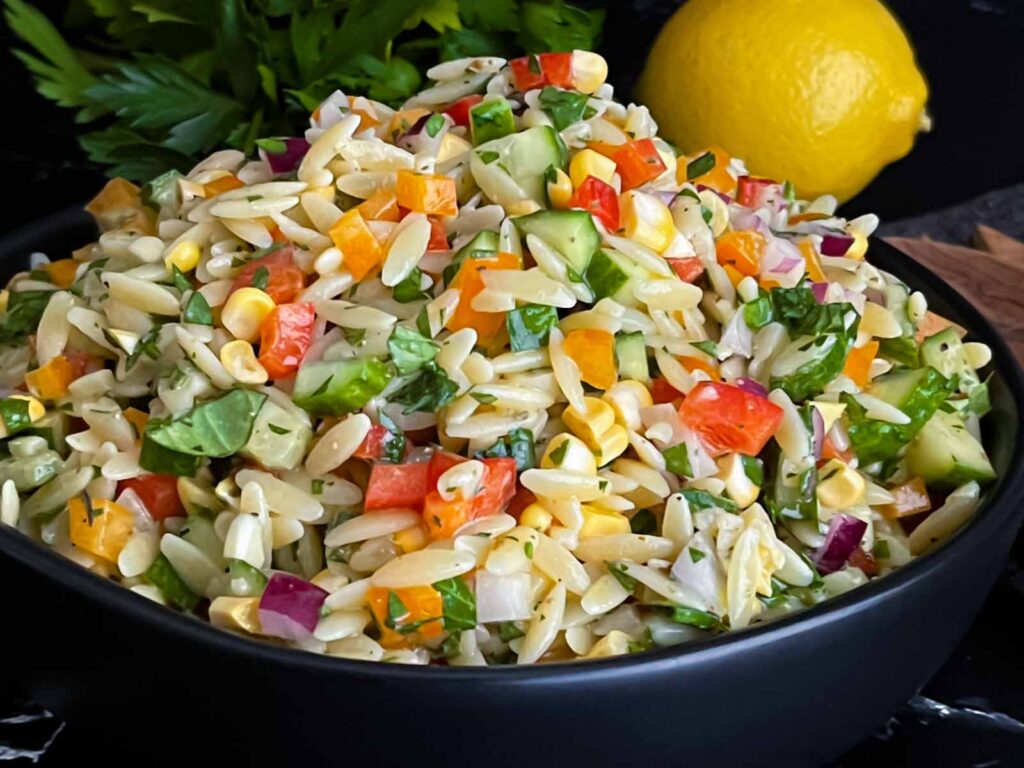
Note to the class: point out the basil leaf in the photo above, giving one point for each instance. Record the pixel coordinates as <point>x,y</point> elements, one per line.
<point>24,310</point>
<point>643,522</point>
<point>618,570</point>
<point>759,312</point>
<point>701,165</point>
<point>180,281</point>
<point>423,323</point>
<point>458,604</point>
<point>753,468</point>
<point>677,460</point>
<point>707,347</point>
<point>428,392</point>
<point>518,445</point>
<point>788,495</point>
<point>694,618</point>
<point>410,351</point>
<point>260,278</point>
<point>530,325</point>
<point>197,310</point>
<point>216,428</point>
<point>161,574</point>
<point>563,107</point>
<point>826,361</point>
<point>703,500</point>
<point>509,630</point>
<point>488,156</point>
<point>902,350</point>
<point>557,456</point>
<point>153,457</point>
<point>272,146</point>
<point>804,316</point>
<point>696,555</point>
<point>409,289</point>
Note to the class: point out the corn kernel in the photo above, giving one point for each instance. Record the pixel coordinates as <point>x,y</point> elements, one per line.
<point>586,163</point>
<point>859,247</point>
<point>560,190</point>
<point>411,539</point>
<point>842,487</point>
<point>589,71</point>
<point>738,486</point>
<point>452,146</point>
<point>601,522</point>
<point>244,311</point>
<point>184,256</point>
<point>238,613</point>
<point>830,412</point>
<point>522,207</point>
<point>240,361</point>
<point>598,418</point>
<point>611,444</point>
<point>568,452</point>
<point>536,517</point>
<point>627,397</point>
<point>646,220</point>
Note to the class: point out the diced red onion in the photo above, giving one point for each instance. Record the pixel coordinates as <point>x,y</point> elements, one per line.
<point>409,139</point>
<point>783,263</point>
<point>416,139</point>
<point>290,607</point>
<point>817,432</point>
<point>285,162</point>
<point>752,386</point>
<point>743,219</point>
<point>819,290</point>
<point>725,198</point>
<point>844,535</point>
<point>835,244</point>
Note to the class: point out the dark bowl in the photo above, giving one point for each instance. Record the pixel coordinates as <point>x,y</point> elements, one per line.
<point>138,681</point>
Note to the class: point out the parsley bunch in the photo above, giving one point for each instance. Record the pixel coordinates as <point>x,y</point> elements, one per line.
<point>167,81</point>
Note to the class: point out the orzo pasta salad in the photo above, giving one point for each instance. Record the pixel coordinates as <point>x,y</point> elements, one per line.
<point>499,377</point>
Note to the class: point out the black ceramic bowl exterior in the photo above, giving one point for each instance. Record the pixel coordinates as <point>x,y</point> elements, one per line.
<point>142,682</point>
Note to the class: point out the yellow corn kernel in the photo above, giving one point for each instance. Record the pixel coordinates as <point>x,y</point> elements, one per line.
<point>36,411</point>
<point>238,613</point>
<point>602,522</point>
<point>560,190</point>
<point>859,247</point>
<point>586,163</point>
<point>588,426</point>
<point>611,444</point>
<point>325,579</point>
<point>738,486</point>
<point>411,539</point>
<point>627,397</point>
<point>452,146</point>
<point>184,256</point>
<point>239,359</point>
<point>327,193</point>
<point>244,311</point>
<point>522,207</point>
<point>646,220</point>
<point>568,452</point>
<point>589,71</point>
<point>830,412</point>
<point>842,487</point>
<point>536,517</point>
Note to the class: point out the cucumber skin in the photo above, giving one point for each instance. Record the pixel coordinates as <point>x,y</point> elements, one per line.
<point>571,233</point>
<point>946,455</point>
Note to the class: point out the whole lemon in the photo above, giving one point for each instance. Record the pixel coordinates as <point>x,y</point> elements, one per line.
<point>823,93</point>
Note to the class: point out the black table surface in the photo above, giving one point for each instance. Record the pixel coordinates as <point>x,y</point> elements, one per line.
<point>970,169</point>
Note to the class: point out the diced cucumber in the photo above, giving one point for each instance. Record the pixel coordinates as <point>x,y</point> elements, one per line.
<point>32,471</point>
<point>631,352</point>
<point>279,437</point>
<point>198,531</point>
<point>571,233</point>
<point>944,352</point>
<point>512,168</point>
<point>612,275</point>
<point>896,296</point>
<point>945,454</point>
<point>491,119</point>
<point>161,574</point>
<point>896,387</point>
<point>53,428</point>
<point>482,241</point>
<point>336,388</point>
<point>246,581</point>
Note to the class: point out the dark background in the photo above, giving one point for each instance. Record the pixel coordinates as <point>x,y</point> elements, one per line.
<point>972,53</point>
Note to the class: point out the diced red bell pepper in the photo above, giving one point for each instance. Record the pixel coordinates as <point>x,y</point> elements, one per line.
<point>688,269</point>
<point>374,443</point>
<point>600,199</point>
<point>637,163</point>
<point>285,336</point>
<point>459,111</point>
<point>753,192</point>
<point>443,518</point>
<point>396,485</point>
<point>499,486</point>
<point>285,280</point>
<point>438,235</point>
<point>158,492</point>
<point>863,560</point>
<point>524,497</point>
<point>663,392</point>
<point>538,70</point>
<point>727,418</point>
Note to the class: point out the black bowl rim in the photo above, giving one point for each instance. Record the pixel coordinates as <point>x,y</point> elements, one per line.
<point>999,508</point>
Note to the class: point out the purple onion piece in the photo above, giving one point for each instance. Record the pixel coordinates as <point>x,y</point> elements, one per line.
<point>410,139</point>
<point>844,535</point>
<point>287,161</point>
<point>725,198</point>
<point>751,386</point>
<point>666,197</point>
<point>817,432</point>
<point>835,244</point>
<point>819,290</point>
<point>290,607</point>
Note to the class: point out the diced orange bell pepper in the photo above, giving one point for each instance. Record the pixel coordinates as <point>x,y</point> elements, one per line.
<point>691,363</point>
<point>733,274</point>
<point>910,498</point>
<point>638,162</point>
<point>138,419</point>
<point>361,253</point>
<point>604,148</point>
<point>277,235</point>
<point>594,353</point>
<point>221,185</point>
<point>106,533</point>
<point>433,195</point>
<point>62,273</point>
<point>718,178</point>
<point>741,250</point>
<point>813,262</point>
<point>382,205</point>
<point>829,451</point>
<point>51,381</point>
<point>858,363</point>
<point>443,518</point>
<point>361,106</point>
<point>414,614</point>
<point>809,216</point>
<point>469,282</point>
<point>119,204</point>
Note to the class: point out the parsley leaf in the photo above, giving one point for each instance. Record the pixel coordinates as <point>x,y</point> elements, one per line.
<point>428,392</point>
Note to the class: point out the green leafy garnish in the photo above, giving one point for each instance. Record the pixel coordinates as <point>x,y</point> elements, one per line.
<point>409,289</point>
<point>508,630</point>
<point>216,428</point>
<point>518,445</point>
<point>696,555</point>
<point>694,618</point>
<point>902,350</point>
<point>530,325</point>
<point>409,350</point>
<point>643,522</point>
<point>563,107</point>
<point>557,456</point>
<point>260,278</point>
<point>430,391</point>
<point>197,310</point>
<point>700,165</point>
<point>15,414</point>
<point>677,460</point>
<point>618,570</point>
<point>459,604</point>
<point>24,309</point>
<point>161,574</point>
<point>703,500</point>
<point>147,345</point>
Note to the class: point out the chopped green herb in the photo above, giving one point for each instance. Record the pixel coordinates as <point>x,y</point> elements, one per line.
<point>197,310</point>
<point>483,398</point>
<point>696,555</point>
<point>677,460</point>
<point>459,603</point>
<point>699,166</point>
<point>260,278</point>
<point>434,124</point>
<point>518,445</point>
<point>618,570</point>
<point>557,456</point>
<point>278,430</point>
<point>643,522</point>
